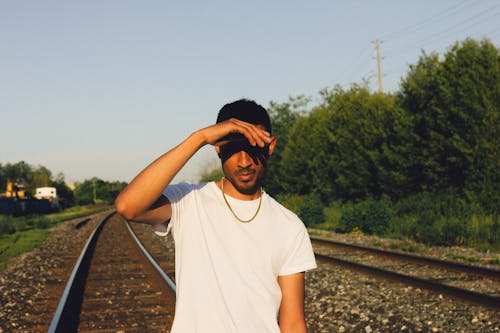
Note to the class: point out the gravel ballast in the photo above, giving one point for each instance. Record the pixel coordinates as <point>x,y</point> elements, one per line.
<point>337,299</point>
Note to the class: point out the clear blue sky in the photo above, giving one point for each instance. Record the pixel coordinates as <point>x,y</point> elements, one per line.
<point>101,88</point>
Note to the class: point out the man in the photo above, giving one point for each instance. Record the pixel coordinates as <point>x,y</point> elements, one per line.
<point>240,255</point>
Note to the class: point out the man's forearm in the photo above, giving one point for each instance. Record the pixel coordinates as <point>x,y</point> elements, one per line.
<point>293,325</point>
<point>145,189</point>
<point>148,185</point>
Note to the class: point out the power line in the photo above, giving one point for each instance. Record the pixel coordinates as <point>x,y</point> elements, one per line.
<point>492,36</point>
<point>424,24</point>
<point>444,33</point>
<point>474,17</point>
<point>453,31</point>
<point>360,59</point>
<point>493,32</point>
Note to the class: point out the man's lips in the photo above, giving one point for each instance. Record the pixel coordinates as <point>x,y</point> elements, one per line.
<point>245,175</point>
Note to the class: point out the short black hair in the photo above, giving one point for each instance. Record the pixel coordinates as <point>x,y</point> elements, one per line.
<point>246,110</point>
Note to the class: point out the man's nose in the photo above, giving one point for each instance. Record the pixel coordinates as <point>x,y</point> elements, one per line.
<point>244,159</point>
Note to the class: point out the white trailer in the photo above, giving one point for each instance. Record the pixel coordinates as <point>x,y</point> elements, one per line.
<point>48,193</point>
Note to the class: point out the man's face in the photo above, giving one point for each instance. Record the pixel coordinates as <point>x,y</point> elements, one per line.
<point>244,165</point>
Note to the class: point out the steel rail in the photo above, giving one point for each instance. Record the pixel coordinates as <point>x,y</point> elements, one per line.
<point>153,262</point>
<point>66,317</point>
<point>482,271</point>
<point>462,294</point>
<point>68,303</point>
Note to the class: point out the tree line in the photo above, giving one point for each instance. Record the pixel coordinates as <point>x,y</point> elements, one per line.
<point>421,162</point>
<point>438,133</point>
<point>89,191</point>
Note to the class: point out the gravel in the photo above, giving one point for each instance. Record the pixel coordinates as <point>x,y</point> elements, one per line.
<point>340,300</point>
<point>30,287</point>
<point>479,283</point>
<point>461,254</point>
<point>337,300</point>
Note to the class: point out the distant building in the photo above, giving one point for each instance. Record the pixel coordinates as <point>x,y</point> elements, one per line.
<point>48,193</point>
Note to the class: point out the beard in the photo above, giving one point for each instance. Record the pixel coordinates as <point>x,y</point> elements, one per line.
<point>247,188</point>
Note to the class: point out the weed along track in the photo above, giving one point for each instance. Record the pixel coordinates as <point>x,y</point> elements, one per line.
<point>115,287</point>
<point>469,283</point>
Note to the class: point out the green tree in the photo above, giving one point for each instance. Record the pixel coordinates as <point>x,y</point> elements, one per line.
<point>114,188</point>
<point>214,174</point>
<point>349,147</point>
<point>29,176</point>
<point>454,106</point>
<point>20,171</point>
<point>283,117</point>
<point>95,190</point>
<point>470,90</point>
<point>84,193</point>
<point>370,216</point>
<point>311,210</point>
<point>294,167</point>
<point>3,178</point>
<point>65,193</point>
<point>417,97</point>
<point>40,177</point>
<point>366,142</point>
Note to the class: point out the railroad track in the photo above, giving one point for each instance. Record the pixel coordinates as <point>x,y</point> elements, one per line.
<point>469,283</point>
<point>115,285</point>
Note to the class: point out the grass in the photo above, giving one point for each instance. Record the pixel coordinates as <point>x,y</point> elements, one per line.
<point>491,261</point>
<point>405,246</point>
<point>332,215</point>
<point>15,244</point>
<point>27,236</point>
<point>75,212</point>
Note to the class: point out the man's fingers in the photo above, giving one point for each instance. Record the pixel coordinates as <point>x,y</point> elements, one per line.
<point>254,134</point>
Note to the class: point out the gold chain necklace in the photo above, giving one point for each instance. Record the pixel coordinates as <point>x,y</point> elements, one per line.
<point>231,209</point>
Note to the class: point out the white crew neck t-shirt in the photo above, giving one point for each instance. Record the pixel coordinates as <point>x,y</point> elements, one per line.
<point>226,271</point>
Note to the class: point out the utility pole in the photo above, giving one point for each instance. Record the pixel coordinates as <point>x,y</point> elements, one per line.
<point>379,66</point>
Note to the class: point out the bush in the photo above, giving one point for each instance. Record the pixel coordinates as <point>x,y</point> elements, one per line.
<point>446,219</point>
<point>454,231</point>
<point>10,225</point>
<point>20,223</point>
<point>332,214</point>
<point>214,174</point>
<point>370,216</point>
<point>311,210</point>
<point>6,225</point>
<point>41,222</point>
<point>291,201</point>
<point>485,231</point>
<point>429,207</point>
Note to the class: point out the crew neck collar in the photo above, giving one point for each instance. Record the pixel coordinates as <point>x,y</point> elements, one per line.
<point>231,198</point>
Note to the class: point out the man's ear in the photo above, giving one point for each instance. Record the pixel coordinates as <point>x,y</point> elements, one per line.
<point>272,144</point>
<point>217,150</point>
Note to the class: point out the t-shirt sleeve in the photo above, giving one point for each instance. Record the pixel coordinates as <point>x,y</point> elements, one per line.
<point>300,255</point>
<point>174,194</point>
